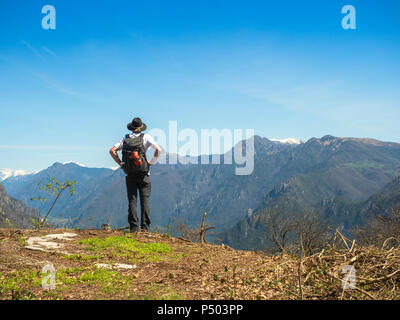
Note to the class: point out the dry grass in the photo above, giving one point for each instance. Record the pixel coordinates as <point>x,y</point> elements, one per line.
<point>376,271</point>
<point>190,270</point>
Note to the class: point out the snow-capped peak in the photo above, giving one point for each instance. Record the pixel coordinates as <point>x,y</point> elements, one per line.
<point>288,140</point>
<point>6,173</point>
<point>74,162</point>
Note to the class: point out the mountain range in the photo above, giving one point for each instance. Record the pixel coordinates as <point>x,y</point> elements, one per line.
<point>250,233</point>
<point>330,174</point>
<point>14,213</point>
<point>6,173</point>
<point>178,191</point>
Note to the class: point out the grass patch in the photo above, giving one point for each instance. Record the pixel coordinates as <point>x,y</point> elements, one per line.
<point>19,284</point>
<point>110,282</point>
<point>158,292</point>
<point>22,241</point>
<point>15,285</point>
<point>81,257</point>
<point>128,248</point>
<point>363,165</point>
<point>99,275</point>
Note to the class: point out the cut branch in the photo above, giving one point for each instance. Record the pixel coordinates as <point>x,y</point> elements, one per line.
<point>203,229</point>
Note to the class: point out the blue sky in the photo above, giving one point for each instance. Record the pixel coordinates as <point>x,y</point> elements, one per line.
<point>282,68</point>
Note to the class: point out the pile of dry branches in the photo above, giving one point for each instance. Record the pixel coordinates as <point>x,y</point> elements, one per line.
<point>345,270</point>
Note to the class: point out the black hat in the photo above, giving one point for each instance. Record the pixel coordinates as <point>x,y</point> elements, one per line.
<point>136,125</point>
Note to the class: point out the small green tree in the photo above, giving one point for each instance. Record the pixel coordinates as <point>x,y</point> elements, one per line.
<point>56,188</point>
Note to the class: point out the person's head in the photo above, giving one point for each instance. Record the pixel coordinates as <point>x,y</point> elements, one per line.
<point>136,125</point>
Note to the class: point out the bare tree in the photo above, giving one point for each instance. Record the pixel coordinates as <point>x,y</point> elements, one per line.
<point>279,229</point>
<point>185,232</point>
<point>313,232</point>
<point>303,232</point>
<point>381,228</point>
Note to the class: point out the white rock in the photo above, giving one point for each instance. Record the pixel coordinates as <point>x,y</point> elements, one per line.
<point>124,266</point>
<point>61,236</point>
<point>103,265</point>
<point>115,266</point>
<point>44,243</point>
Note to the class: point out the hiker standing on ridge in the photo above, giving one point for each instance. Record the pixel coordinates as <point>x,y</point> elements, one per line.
<point>134,163</point>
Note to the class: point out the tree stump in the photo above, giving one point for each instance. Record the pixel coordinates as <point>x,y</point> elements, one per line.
<point>203,229</point>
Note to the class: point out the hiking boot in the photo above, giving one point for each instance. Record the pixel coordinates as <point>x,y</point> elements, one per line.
<point>134,230</point>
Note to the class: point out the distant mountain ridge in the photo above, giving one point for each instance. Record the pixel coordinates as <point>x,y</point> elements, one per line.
<point>325,172</point>
<point>178,191</point>
<point>346,172</point>
<point>250,233</point>
<point>7,173</point>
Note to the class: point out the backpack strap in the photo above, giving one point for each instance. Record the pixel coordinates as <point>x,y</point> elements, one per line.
<point>127,135</point>
<point>141,135</point>
<point>144,149</point>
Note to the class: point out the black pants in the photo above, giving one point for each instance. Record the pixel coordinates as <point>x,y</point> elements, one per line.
<point>143,185</point>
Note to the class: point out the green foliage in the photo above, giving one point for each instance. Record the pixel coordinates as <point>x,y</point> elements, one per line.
<point>22,241</point>
<point>81,257</point>
<point>99,275</point>
<point>110,281</point>
<point>159,292</point>
<point>55,188</point>
<point>363,165</point>
<point>15,284</point>
<point>129,248</point>
<point>36,222</point>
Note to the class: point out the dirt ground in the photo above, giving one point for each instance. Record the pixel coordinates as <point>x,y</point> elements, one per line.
<point>99,264</point>
<point>190,271</point>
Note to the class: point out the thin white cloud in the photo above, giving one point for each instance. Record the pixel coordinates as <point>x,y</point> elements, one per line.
<point>63,89</point>
<point>33,50</point>
<point>56,85</point>
<point>60,88</point>
<point>51,53</point>
<point>335,100</point>
<point>49,147</point>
